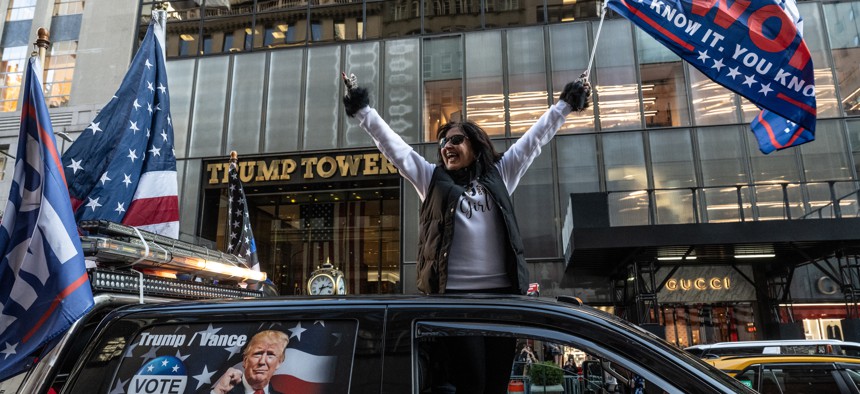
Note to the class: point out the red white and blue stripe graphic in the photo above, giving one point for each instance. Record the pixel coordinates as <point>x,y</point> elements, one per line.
<point>43,281</point>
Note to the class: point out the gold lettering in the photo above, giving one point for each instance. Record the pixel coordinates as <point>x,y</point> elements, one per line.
<point>213,172</point>
<point>671,285</point>
<point>309,163</point>
<point>349,164</point>
<point>287,168</point>
<point>267,172</point>
<point>246,170</point>
<point>716,284</point>
<point>370,164</point>
<point>387,167</point>
<point>326,173</point>
<point>686,284</point>
<point>726,282</point>
<point>700,284</point>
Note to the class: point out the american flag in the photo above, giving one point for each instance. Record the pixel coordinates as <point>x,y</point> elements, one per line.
<point>43,281</point>
<point>335,232</point>
<point>241,239</point>
<point>122,168</point>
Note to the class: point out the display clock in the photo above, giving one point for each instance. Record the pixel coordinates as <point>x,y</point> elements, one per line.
<point>326,280</point>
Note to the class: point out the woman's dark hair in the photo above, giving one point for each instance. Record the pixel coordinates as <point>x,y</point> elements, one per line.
<point>482,147</point>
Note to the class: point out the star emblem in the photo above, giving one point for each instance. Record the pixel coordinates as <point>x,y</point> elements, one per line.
<point>155,151</point>
<point>132,155</point>
<point>136,105</point>
<point>749,80</point>
<point>94,203</point>
<point>297,331</point>
<point>204,377</point>
<point>765,89</point>
<point>104,178</point>
<point>133,127</point>
<point>119,207</point>
<point>703,56</point>
<point>127,179</point>
<point>164,135</point>
<point>149,86</point>
<point>10,350</point>
<point>718,64</point>
<point>94,127</point>
<point>148,64</point>
<point>162,88</point>
<point>75,166</point>
<point>733,72</point>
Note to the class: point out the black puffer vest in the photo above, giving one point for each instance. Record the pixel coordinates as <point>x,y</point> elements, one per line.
<point>437,231</point>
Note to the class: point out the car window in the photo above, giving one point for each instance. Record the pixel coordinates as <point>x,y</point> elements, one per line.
<point>749,377</point>
<point>798,380</point>
<point>304,355</point>
<point>849,350</point>
<point>537,362</point>
<point>853,374</point>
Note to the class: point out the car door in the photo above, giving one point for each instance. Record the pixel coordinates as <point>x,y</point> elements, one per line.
<point>801,378</point>
<point>612,357</point>
<point>191,348</point>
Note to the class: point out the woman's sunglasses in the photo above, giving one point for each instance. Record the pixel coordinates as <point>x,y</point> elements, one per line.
<point>454,140</point>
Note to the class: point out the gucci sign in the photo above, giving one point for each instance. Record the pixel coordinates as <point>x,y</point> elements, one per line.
<point>713,283</point>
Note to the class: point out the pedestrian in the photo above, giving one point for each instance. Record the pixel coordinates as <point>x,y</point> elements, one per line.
<point>468,193</point>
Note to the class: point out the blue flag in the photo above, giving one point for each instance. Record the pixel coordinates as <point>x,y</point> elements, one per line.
<point>753,48</point>
<point>122,167</point>
<point>774,132</point>
<point>44,286</point>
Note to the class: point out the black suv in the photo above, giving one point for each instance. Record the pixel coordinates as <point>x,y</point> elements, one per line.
<point>366,345</point>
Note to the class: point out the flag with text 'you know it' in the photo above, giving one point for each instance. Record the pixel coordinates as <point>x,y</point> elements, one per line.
<point>753,48</point>
<point>44,286</point>
<point>122,167</point>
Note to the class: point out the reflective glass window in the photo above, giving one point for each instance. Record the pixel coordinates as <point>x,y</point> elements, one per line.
<point>568,62</point>
<point>778,201</point>
<point>246,103</point>
<point>826,158</point>
<point>504,13</point>
<point>321,103</point>
<point>535,208</point>
<point>181,80</point>
<point>624,161</point>
<point>615,78</point>
<point>672,159</point>
<point>570,10</point>
<point>664,86</point>
<point>778,166</point>
<point>12,63</point>
<point>59,70</point>
<point>441,16</point>
<point>485,100</point>
<point>527,95</point>
<point>854,141</point>
<point>362,59</point>
<point>401,99</point>
<point>843,28</point>
<point>722,156</point>
<point>712,103</point>
<point>337,21</point>
<point>577,163</point>
<point>20,10</point>
<point>207,123</point>
<point>442,65</point>
<point>284,101</point>
<point>68,7</point>
<point>282,24</point>
<point>392,18</point>
<point>182,29</point>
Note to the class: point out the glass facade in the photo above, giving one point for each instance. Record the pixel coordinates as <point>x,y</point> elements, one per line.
<point>665,143</point>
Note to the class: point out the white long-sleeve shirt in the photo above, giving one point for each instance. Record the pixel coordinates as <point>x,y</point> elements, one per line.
<point>476,257</point>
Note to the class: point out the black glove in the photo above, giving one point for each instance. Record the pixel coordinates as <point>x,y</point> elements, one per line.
<point>355,98</point>
<point>576,94</point>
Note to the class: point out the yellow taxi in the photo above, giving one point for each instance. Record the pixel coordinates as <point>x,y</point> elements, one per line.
<point>795,374</point>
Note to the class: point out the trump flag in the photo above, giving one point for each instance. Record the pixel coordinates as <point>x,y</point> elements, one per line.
<point>44,286</point>
<point>753,48</point>
<point>122,167</point>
